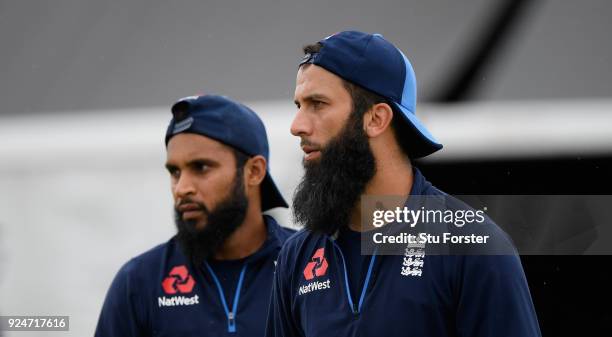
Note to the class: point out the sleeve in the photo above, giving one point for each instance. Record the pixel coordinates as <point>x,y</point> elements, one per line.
<point>281,321</point>
<point>494,298</point>
<point>120,311</point>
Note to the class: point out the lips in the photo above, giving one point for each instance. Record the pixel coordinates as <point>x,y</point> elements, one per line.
<point>189,207</point>
<point>310,152</point>
<point>190,210</point>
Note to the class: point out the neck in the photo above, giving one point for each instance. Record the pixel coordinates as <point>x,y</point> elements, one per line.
<point>247,239</point>
<point>394,177</point>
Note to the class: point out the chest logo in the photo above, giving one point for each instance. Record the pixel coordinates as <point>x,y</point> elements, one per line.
<point>317,265</point>
<point>178,281</point>
<point>414,260</point>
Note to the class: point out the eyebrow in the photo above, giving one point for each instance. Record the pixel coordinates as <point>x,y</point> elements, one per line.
<point>194,162</point>
<point>313,97</point>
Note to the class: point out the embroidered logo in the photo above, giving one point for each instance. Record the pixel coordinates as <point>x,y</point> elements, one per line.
<point>414,259</point>
<point>317,265</point>
<point>178,281</point>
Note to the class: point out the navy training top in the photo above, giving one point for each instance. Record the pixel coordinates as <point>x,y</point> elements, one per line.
<point>160,293</point>
<point>442,295</point>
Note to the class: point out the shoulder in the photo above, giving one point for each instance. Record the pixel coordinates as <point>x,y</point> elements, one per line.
<point>281,233</point>
<point>284,233</point>
<point>151,256</point>
<point>298,245</point>
<point>473,220</point>
<point>126,304</point>
<point>146,266</point>
<point>299,238</point>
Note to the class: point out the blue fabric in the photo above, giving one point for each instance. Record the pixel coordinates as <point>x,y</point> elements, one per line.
<point>356,264</point>
<point>133,303</point>
<point>367,60</point>
<point>230,312</point>
<point>409,92</point>
<point>456,295</point>
<point>228,272</point>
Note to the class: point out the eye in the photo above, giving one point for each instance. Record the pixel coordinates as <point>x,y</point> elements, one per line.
<point>174,173</point>
<point>317,105</point>
<point>201,167</point>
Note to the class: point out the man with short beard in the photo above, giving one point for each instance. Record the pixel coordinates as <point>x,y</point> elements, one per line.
<point>356,96</point>
<point>214,277</point>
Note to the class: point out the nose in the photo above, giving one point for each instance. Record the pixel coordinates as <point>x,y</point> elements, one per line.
<point>301,125</point>
<point>183,187</point>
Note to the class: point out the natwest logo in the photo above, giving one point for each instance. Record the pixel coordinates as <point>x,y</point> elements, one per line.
<point>178,281</point>
<point>317,266</point>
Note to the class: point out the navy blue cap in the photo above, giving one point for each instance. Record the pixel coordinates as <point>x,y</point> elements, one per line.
<point>375,64</point>
<point>230,123</point>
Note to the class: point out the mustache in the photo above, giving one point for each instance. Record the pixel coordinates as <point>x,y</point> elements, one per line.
<point>306,142</point>
<point>185,201</point>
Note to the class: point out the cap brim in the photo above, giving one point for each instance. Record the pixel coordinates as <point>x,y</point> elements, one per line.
<point>270,195</point>
<point>424,143</point>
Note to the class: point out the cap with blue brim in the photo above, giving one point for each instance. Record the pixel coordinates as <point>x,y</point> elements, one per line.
<point>370,61</point>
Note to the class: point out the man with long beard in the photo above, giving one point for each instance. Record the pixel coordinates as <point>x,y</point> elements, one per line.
<point>356,96</point>
<point>214,277</point>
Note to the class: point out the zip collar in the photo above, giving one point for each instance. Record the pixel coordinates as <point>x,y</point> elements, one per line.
<point>420,186</point>
<point>356,309</point>
<point>272,244</point>
<point>229,313</point>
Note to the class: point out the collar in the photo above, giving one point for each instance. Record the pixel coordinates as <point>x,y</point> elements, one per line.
<point>271,245</point>
<point>420,186</point>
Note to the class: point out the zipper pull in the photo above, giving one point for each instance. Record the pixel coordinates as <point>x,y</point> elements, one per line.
<point>355,310</point>
<point>231,322</point>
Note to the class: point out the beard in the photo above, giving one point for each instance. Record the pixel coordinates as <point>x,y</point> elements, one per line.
<point>332,186</point>
<point>201,244</point>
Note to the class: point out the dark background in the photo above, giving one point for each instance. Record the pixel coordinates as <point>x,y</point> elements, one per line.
<point>571,294</point>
